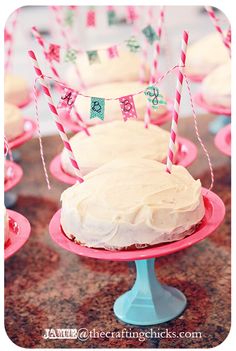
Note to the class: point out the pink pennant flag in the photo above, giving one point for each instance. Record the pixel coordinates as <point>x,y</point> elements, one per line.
<point>53,53</point>
<point>91,20</point>
<point>127,107</point>
<point>67,100</point>
<point>112,52</point>
<point>131,14</point>
<point>7,35</point>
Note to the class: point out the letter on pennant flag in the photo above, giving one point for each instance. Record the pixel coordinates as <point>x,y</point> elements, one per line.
<point>127,107</point>
<point>97,108</point>
<point>67,100</point>
<point>53,52</point>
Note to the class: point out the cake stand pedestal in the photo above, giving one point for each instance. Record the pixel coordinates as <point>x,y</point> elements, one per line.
<point>224,114</point>
<point>148,302</point>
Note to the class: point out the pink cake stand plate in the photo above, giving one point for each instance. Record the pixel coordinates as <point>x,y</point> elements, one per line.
<point>186,155</point>
<point>218,110</point>
<point>29,130</point>
<point>19,232</point>
<point>196,78</point>
<point>148,302</point>
<point>14,175</point>
<point>29,99</point>
<point>223,140</point>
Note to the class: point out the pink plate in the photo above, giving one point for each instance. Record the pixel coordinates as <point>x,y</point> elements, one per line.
<point>218,110</point>
<point>19,228</point>
<point>196,78</point>
<point>29,99</point>
<point>186,155</point>
<point>14,172</point>
<point>223,140</point>
<point>214,215</point>
<point>29,130</point>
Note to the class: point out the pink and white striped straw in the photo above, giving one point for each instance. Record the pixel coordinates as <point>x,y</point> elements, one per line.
<point>217,27</point>
<point>178,92</point>
<point>41,42</point>
<point>59,20</point>
<point>53,109</point>
<point>154,68</point>
<point>157,47</point>
<point>11,41</point>
<point>144,52</point>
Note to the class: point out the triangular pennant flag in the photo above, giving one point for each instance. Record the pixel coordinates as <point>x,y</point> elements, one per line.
<point>154,97</point>
<point>67,99</point>
<point>93,56</point>
<point>133,44</point>
<point>97,108</point>
<point>111,16</point>
<point>91,19</point>
<point>71,55</point>
<point>53,52</point>
<point>112,52</point>
<point>150,34</point>
<point>69,18</point>
<point>127,107</point>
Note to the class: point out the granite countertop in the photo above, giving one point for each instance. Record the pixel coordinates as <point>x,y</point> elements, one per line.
<point>47,287</point>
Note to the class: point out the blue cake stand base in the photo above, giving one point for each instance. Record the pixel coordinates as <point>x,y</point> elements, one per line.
<point>149,302</point>
<point>219,123</point>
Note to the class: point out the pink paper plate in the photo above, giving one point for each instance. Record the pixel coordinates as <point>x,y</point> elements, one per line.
<point>214,215</point>
<point>186,155</point>
<point>15,173</point>
<point>19,228</point>
<point>29,130</point>
<point>217,110</point>
<point>223,140</point>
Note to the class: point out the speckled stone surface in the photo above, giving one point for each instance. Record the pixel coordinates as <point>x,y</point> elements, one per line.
<point>47,287</point>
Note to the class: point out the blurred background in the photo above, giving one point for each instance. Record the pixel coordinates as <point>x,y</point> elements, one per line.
<point>196,22</point>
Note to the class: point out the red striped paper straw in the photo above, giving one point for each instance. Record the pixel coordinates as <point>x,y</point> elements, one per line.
<point>178,91</point>
<point>41,42</point>
<point>11,41</point>
<point>217,27</point>
<point>157,47</point>
<point>53,109</point>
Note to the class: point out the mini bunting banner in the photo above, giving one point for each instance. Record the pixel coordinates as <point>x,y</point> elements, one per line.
<point>127,107</point>
<point>112,52</point>
<point>133,44</point>
<point>111,16</point>
<point>150,34</point>
<point>69,18</point>
<point>53,52</point>
<point>154,97</point>
<point>71,55</point>
<point>67,100</point>
<point>97,108</point>
<point>91,20</point>
<point>93,56</point>
<point>7,35</point>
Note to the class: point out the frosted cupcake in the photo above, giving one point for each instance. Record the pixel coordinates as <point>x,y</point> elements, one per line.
<point>112,108</point>
<point>205,55</point>
<point>16,90</point>
<point>113,140</point>
<point>125,67</point>
<point>132,203</point>
<point>13,121</point>
<point>216,87</point>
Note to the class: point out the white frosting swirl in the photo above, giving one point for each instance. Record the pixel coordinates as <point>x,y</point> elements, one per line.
<point>113,140</point>
<point>132,202</point>
<point>16,89</point>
